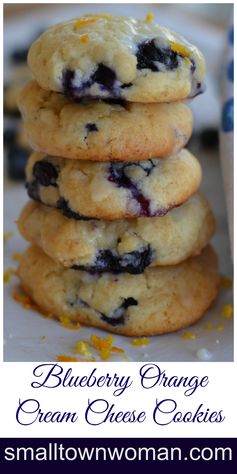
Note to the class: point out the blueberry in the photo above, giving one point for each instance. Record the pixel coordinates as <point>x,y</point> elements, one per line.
<point>68,77</point>
<point>111,261</point>
<point>62,204</point>
<point>148,54</point>
<point>104,76</point>
<point>17,157</point>
<point>117,175</point>
<point>77,302</point>
<point>117,317</point>
<point>45,173</point>
<point>91,127</point>
<point>126,86</point>
<point>33,190</point>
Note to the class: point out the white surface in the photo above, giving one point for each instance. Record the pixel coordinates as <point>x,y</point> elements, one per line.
<point>24,328</point>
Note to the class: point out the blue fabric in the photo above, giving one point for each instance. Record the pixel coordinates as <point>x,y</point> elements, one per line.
<point>228,116</point>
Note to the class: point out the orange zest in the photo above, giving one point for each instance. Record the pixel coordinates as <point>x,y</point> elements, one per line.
<point>84,22</point>
<point>7,274</point>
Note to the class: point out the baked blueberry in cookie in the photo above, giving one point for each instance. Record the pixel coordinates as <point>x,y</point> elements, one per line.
<point>150,56</point>
<point>63,205</point>
<point>117,175</point>
<point>114,318</point>
<point>118,316</point>
<point>107,260</point>
<point>91,127</point>
<point>45,173</point>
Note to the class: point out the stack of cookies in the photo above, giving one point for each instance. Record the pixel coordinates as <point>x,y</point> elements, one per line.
<point>119,236</point>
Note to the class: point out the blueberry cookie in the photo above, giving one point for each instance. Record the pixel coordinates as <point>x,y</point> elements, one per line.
<point>19,77</point>
<point>109,190</point>
<point>102,130</point>
<point>113,57</point>
<point>122,245</point>
<point>160,300</point>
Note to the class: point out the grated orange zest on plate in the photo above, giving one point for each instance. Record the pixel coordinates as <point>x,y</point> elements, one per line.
<point>117,349</point>
<point>82,347</point>
<point>141,341</point>
<point>220,328</point>
<point>24,300</point>
<point>16,256</point>
<point>209,326</point>
<point>7,236</point>
<point>68,324</point>
<point>227,311</point>
<point>7,274</point>
<point>65,358</point>
<point>188,335</point>
<point>104,346</point>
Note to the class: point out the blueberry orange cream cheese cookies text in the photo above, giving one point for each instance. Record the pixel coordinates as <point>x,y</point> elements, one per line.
<point>119,233</point>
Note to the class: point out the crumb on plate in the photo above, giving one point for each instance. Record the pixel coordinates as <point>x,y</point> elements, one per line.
<point>204,354</point>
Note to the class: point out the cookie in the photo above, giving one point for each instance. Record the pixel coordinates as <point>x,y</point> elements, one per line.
<point>160,300</point>
<point>19,77</point>
<point>102,130</point>
<point>113,57</point>
<point>122,245</point>
<point>109,190</point>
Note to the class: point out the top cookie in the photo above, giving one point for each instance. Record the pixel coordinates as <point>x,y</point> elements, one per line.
<point>106,56</point>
